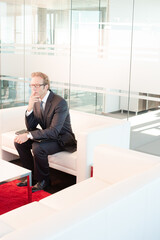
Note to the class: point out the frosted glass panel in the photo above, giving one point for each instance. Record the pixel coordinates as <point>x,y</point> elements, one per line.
<point>33,37</point>
<point>146,47</point>
<point>101,43</point>
<point>12,80</point>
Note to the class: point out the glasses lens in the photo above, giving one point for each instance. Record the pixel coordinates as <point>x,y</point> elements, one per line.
<point>35,85</point>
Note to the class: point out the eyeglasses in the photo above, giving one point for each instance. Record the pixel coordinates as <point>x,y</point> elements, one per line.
<point>36,85</point>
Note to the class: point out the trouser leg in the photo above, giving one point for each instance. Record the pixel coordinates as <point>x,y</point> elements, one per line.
<point>25,154</point>
<point>40,152</point>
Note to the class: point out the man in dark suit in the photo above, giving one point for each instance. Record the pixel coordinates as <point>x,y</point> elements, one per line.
<point>51,112</point>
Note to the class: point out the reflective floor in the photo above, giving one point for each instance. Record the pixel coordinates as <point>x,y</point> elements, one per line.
<point>145,130</point>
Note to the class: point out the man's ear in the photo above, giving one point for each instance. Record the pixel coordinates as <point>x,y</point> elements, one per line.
<point>47,86</point>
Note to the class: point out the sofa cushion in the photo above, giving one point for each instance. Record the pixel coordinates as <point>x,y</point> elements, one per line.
<point>26,215</point>
<point>64,159</point>
<point>5,228</point>
<point>74,194</point>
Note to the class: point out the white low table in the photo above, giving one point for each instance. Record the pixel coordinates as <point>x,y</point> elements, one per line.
<point>10,172</point>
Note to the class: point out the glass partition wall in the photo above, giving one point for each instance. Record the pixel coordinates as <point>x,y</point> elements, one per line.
<point>102,56</point>
<point>145,77</point>
<point>12,91</point>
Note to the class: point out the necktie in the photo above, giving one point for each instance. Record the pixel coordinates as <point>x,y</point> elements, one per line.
<point>41,106</point>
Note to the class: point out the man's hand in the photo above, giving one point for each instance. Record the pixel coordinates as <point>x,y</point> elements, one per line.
<point>21,138</point>
<point>33,98</point>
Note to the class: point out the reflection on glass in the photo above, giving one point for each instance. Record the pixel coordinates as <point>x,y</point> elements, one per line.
<point>11,93</point>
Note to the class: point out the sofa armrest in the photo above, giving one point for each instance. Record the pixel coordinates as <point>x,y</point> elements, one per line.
<point>116,135</point>
<point>12,119</point>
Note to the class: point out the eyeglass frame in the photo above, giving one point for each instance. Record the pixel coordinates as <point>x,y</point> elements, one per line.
<point>36,85</point>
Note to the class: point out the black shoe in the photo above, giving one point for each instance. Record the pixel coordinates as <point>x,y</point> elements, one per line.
<point>22,183</point>
<point>41,186</point>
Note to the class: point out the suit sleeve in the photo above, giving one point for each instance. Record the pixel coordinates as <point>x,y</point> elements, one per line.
<point>31,122</point>
<point>56,123</point>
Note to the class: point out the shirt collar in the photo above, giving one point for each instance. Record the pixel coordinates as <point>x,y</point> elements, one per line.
<point>46,97</point>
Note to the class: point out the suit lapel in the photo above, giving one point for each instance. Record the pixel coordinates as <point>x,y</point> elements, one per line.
<point>48,105</point>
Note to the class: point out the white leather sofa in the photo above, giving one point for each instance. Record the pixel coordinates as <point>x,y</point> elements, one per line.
<point>121,201</point>
<point>90,130</point>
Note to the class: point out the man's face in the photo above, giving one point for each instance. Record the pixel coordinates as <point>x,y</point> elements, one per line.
<point>38,90</point>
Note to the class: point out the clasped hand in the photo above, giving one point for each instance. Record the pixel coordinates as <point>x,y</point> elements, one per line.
<point>21,138</point>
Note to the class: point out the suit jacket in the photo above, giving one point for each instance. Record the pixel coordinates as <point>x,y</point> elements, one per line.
<point>55,123</point>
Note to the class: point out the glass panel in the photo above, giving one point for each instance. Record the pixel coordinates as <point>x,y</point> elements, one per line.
<point>100,54</point>
<point>87,101</point>
<point>94,56</point>
<point>34,37</point>
<point>48,41</point>
<point>12,54</point>
<point>145,84</point>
